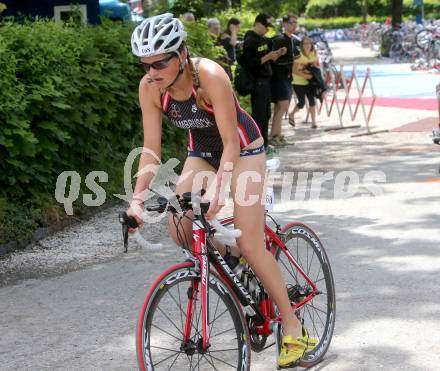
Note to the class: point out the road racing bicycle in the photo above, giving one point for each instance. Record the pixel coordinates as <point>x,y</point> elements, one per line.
<point>202,315</point>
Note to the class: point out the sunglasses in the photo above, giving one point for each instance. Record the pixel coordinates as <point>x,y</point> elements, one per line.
<point>158,65</point>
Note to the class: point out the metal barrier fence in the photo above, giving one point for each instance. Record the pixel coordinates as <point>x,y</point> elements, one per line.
<point>341,90</point>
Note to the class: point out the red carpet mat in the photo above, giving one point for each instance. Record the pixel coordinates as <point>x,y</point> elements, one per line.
<point>411,103</point>
<point>426,124</point>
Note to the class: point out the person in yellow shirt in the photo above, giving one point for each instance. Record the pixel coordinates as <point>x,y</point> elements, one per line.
<point>301,78</point>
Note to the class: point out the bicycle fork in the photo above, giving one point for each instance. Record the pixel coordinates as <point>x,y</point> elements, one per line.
<point>200,252</point>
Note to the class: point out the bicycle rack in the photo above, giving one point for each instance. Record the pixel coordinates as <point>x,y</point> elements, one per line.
<point>336,81</point>
<point>348,85</point>
<point>360,102</point>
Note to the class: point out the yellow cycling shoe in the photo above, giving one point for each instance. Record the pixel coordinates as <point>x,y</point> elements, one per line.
<point>311,342</point>
<point>290,356</point>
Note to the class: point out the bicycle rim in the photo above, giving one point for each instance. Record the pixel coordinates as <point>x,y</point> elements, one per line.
<point>318,315</point>
<point>163,321</point>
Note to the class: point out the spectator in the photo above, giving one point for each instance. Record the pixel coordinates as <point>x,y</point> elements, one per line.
<point>256,59</point>
<point>189,17</point>
<point>301,78</point>
<point>228,39</point>
<point>214,31</point>
<point>281,82</point>
<point>214,26</point>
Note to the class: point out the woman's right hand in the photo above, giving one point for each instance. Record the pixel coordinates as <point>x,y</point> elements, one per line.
<point>135,210</point>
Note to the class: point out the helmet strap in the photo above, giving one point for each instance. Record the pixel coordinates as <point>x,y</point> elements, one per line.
<point>181,69</point>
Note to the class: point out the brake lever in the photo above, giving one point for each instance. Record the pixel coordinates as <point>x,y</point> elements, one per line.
<point>125,236</point>
<point>126,222</point>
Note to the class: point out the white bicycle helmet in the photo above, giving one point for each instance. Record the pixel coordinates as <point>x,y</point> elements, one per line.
<point>157,35</point>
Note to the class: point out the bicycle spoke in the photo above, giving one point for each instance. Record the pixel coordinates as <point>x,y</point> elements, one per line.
<point>288,271</point>
<point>198,362</point>
<point>220,315</point>
<point>170,350</point>
<point>319,271</point>
<point>211,324</point>
<point>317,314</point>
<point>311,305</point>
<point>198,331</point>
<point>223,332</point>
<point>313,322</point>
<point>310,266</point>
<point>211,363</point>
<point>307,262</point>
<point>168,318</point>
<point>297,253</point>
<point>220,360</point>
<point>175,359</point>
<point>166,332</point>
<point>180,307</point>
<point>222,350</point>
<point>172,355</point>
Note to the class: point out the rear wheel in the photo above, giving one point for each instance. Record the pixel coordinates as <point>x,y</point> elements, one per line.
<point>423,39</point>
<point>162,321</point>
<point>318,315</point>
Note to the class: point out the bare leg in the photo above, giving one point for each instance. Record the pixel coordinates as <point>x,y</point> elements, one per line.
<point>279,110</point>
<point>292,114</point>
<point>250,219</point>
<point>193,166</point>
<point>312,111</point>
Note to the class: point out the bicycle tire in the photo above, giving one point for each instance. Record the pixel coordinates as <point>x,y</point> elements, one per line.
<point>395,52</point>
<point>149,348</point>
<point>423,39</point>
<point>409,43</point>
<point>302,232</point>
<point>435,46</point>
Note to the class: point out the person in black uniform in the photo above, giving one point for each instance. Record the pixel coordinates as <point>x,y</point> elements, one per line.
<point>281,82</point>
<point>256,57</point>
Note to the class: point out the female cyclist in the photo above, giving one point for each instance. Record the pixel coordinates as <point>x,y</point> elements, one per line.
<point>197,96</point>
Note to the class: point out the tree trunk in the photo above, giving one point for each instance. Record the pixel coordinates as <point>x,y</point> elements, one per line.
<point>396,13</point>
<point>364,6</point>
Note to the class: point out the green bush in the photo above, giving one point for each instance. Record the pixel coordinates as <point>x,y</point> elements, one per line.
<point>69,91</point>
<point>336,22</point>
<point>381,8</point>
<point>69,101</point>
<point>432,8</point>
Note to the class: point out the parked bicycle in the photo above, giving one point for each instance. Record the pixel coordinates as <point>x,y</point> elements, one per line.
<point>202,315</point>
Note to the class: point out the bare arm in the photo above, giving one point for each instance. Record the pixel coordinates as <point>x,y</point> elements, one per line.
<point>273,55</point>
<point>149,98</point>
<point>298,70</point>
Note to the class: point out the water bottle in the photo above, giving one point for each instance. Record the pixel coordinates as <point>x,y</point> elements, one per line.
<point>246,276</point>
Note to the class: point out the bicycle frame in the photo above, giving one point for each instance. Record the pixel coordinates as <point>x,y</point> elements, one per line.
<point>264,309</point>
<point>262,313</point>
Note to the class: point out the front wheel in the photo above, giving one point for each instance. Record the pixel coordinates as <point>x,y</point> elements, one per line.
<point>164,316</point>
<point>318,315</point>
